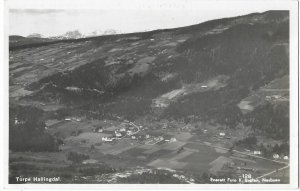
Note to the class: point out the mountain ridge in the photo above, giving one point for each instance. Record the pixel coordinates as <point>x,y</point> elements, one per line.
<point>155,65</point>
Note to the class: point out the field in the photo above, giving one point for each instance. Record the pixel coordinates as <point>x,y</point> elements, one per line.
<point>274,92</point>
<point>189,152</point>
<point>211,84</point>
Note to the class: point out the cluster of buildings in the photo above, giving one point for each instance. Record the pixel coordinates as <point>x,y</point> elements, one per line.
<point>275,97</point>
<point>72,119</point>
<point>128,130</point>
<point>277,156</point>
<point>152,140</point>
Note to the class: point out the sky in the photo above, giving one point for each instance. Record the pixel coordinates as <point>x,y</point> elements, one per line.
<point>52,22</point>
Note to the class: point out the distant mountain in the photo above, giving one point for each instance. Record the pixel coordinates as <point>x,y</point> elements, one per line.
<point>69,35</point>
<point>110,31</point>
<point>76,34</point>
<point>95,33</point>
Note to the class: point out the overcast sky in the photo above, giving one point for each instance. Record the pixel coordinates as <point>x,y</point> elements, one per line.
<point>51,22</point>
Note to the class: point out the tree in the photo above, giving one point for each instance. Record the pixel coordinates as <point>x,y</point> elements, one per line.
<point>77,157</point>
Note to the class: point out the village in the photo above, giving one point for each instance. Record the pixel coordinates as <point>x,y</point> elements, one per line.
<point>165,144</point>
<point>124,130</point>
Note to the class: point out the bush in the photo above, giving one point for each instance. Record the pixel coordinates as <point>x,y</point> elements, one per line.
<point>249,142</point>
<point>77,157</point>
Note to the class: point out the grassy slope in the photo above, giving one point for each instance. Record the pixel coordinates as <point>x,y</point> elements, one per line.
<point>248,49</point>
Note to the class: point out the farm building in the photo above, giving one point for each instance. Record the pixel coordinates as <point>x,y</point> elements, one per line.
<point>159,138</point>
<point>17,122</point>
<point>275,156</point>
<point>107,139</point>
<point>98,129</point>
<point>122,129</point>
<point>89,161</point>
<point>118,134</point>
<point>73,89</point>
<point>222,134</point>
<point>173,139</point>
<point>133,137</point>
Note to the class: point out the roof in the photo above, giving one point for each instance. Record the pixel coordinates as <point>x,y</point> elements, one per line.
<point>90,161</point>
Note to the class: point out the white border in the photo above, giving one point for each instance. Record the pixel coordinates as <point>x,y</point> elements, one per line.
<point>291,5</point>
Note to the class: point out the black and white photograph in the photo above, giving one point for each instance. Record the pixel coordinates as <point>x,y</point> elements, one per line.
<point>158,92</point>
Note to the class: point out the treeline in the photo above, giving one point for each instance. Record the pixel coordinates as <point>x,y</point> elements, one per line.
<point>219,105</point>
<point>268,150</point>
<point>270,119</point>
<point>77,157</point>
<point>248,142</point>
<point>27,131</point>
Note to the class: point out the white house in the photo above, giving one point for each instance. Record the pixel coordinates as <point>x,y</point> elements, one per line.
<point>285,158</point>
<point>268,97</point>
<point>122,129</point>
<point>118,134</point>
<point>222,134</point>
<point>73,89</point>
<point>257,152</point>
<point>173,139</point>
<point>276,96</point>
<point>100,130</point>
<point>165,126</point>
<point>129,132</point>
<point>107,139</point>
<point>17,122</point>
<point>133,137</point>
<point>159,138</point>
<point>276,156</point>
